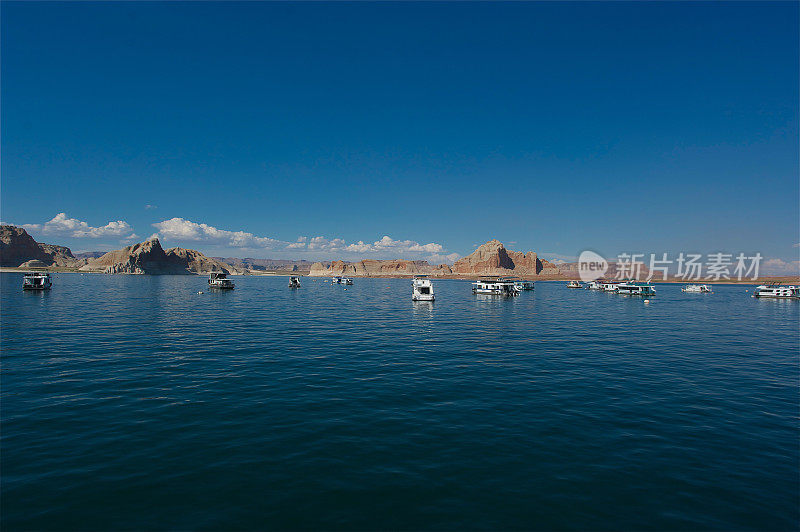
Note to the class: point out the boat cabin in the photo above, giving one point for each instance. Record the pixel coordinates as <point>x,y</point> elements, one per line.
<point>36,281</point>
<point>294,282</point>
<point>219,280</point>
<point>634,288</point>
<point>421,289</point>
<point>495,286</point>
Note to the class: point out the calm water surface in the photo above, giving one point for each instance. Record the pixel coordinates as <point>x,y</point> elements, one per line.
<point>133,402</point>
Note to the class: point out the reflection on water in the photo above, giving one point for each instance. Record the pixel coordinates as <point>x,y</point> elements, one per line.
<point>331,408</point>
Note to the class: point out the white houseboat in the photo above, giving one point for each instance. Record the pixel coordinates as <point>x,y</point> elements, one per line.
<point>594,285</point>
<point>294,282</point>
<point>220,280</point>
<point>36,281</point>
<point>697,289</point>
<point>776,290</point>
<point>336,280</point>
<point>421,289</point>
<point>346,280</point>
<point>634,288</point>
<point>609,286</point>
<point>495,286</point>
<point>574,284</point>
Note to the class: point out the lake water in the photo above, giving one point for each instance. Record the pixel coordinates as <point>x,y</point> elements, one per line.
<point>133,402</point>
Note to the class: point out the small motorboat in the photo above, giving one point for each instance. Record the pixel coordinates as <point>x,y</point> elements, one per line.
<point>697,289</point>
<point>421,289</point>
<point>220,280</point>
<point>294,282</point>
<point>36,281</point>
<point>574,284</point>
<point>336,280</point>
<point>346,280</point>
<point>777,291</point>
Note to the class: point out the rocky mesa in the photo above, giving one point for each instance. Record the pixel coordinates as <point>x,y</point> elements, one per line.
<point>150,258</point>
<point>18,247</point>
<point>491,258</point>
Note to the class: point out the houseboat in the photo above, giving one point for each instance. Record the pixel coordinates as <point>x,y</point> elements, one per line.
<point>594,285</point>
<point>421,289</point>
<point>294,282</point>
<point>220,280</point>
<point>336,280</point>
<point>634,288</point>
<point>776,290</point>
<point>609,286</point>
<point>697,289</point>
<point>574,284</point>
<point>495,286</point>
<point>36,281</point>
<point>523,286</point>
<point>346,280</point>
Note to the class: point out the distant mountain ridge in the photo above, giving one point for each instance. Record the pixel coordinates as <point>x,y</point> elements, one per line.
<point>150,258</point>
<point>491,258</point>
<point>268,264</point>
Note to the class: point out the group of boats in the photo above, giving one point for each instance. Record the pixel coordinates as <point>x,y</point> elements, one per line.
<point>422,286</point>
<point>629,287</point>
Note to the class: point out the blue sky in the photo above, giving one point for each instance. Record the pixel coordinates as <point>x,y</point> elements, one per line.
<point>251,129</point>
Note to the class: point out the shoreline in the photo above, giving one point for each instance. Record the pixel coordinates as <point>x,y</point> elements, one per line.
<point>278,273</point>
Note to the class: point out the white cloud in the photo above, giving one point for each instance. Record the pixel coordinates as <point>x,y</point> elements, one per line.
<point>443,259</point>
<point>320,243</point>
<point>63,226</point>
<point>149,207</point>
<point>780,267</point>
<point>180,229</point>
<point>400,246</point>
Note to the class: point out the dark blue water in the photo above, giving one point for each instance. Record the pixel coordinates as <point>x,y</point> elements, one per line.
<point>132,402</point>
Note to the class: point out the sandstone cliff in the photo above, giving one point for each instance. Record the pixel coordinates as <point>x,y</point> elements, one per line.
<point>492,258</point>
<point>374,268</point>
<point>150,258</point>
<point>17,247</point>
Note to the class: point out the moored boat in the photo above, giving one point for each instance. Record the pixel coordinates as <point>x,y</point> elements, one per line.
<point>609,286</point>
<point>574,284</point>
<point>495,286</point>
<point>220,280</point>
<point>346,280</point>
<point>594,285</point>
<point>36,281</point>
<point>635,288</point>
<point>777,291</point>
<point>697,289</point>
<point>336,280</point>
<point>294,282</point>
<point>421,289</point>
<point>523,286</point>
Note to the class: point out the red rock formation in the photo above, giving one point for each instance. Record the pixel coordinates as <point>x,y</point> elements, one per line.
<point>150,258</point>
<point>17,246</point>
<point>492,258</point>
